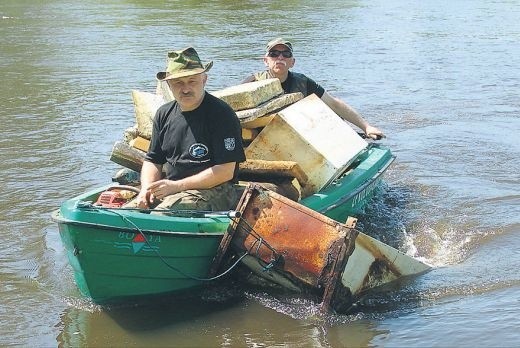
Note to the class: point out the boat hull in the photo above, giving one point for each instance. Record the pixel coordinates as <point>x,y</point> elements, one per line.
<point>349,194</point>
<point>119,254</point>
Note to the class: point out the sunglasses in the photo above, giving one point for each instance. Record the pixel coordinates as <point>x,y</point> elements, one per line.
<point>276,54</point>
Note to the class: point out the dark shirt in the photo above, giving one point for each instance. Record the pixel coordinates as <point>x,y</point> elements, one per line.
<point>295,82</point>
<point>192,141</point>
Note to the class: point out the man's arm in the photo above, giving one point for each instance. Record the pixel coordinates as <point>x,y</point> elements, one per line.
<point>347,113</point>
<point>150,172</point>
<point>208,178</point>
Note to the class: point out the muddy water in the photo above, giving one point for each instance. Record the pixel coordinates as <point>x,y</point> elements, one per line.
<point>442,80</point>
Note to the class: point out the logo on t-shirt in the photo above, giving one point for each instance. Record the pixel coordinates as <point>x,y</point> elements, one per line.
<point>229,144</point>
<point>198,150</point>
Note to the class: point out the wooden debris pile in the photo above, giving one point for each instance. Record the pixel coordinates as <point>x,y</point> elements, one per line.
<point>298,140</point>
<point>255,103</point>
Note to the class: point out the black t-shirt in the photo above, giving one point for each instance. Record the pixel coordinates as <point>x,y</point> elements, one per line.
<point>295,82</point>
<point>192,141</point>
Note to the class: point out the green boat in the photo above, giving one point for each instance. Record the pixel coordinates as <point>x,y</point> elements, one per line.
<point>120,254</point>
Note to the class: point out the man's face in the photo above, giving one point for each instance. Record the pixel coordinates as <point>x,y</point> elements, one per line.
<point>188,91</point>
<point>279,65</point>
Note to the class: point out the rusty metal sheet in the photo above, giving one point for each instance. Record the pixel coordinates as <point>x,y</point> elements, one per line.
<point>374,263</point>
<point>289,236</point>
<point>292,245</point>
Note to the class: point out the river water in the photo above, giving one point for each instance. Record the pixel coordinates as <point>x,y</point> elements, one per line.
<point>441,78</point>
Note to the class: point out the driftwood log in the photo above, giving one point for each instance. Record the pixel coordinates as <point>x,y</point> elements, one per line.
<point>127,156</point>
<point>247,117</point>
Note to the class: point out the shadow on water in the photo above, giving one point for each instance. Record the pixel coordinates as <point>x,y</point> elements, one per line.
<point>168,311</point>
<point>217,316</point>
<point>148,316</point>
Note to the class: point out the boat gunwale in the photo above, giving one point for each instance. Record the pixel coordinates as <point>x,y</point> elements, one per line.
<point>343,199</point>
<point>58,217</point>
<point>338,202</point>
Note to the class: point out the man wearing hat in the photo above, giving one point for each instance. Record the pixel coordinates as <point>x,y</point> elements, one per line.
<point>196,140</point>
<point>279,59</point>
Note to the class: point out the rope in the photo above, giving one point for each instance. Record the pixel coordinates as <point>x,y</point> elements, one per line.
<point>233,215</point>
<point>89,205</point>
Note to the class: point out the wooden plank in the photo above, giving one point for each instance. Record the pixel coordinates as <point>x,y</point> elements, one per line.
<point>249,134</point>
<point>258,122</point>
<point>140,143</point>
<point>268,107</point>
<point>272,169</point>
<point>251,94</point>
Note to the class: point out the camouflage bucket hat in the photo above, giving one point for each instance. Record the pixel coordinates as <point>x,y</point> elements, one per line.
<point>278,41</point>
<point>183,63</point>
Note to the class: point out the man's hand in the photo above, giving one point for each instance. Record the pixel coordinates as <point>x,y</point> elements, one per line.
<point>143,199</point>
<point>162,188</point>
<point>374,133</point>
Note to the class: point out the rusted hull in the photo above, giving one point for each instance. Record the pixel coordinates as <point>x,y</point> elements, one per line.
<point>303,250</point>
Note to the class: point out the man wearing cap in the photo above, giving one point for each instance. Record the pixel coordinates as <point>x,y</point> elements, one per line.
<point>196,139</point>
<point>279,59</point>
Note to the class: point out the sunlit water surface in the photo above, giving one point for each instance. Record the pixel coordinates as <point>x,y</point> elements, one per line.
<point>440,78</point>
